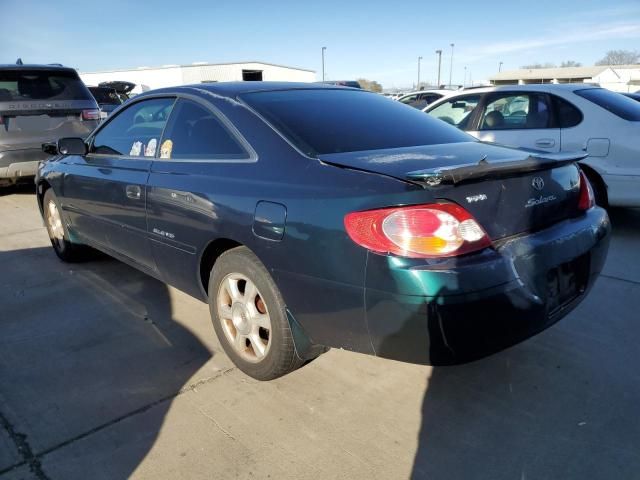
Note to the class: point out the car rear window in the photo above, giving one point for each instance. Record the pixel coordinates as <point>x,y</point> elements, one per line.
<point>105,96</point>
<point>324,121</point>
<point>18,85</point>
<point>618,104</point>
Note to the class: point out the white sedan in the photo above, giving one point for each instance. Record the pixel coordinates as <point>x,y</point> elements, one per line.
<point>555,118</point>
<point>423,98</point>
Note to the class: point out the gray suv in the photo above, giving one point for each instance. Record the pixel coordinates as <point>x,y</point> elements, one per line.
<point>39,104</point>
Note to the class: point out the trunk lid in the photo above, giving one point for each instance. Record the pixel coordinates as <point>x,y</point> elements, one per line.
<point>509,191</point>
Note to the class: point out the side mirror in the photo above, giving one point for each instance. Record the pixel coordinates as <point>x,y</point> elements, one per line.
<point>72,146</point>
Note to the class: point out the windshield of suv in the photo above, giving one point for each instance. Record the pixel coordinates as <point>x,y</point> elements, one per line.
<point>323,121</point>
<point>105,96</point>
<point>24,84</point>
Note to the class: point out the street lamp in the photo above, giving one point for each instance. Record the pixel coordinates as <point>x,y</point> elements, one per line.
<point>323,49</point>
<point>439,53</point>
<point>418,84</point>
<point>451,66</point>
<point>499,67</point>
<point>464,79</point>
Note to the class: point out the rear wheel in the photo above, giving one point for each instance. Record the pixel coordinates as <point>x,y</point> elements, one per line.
<point>249,316</point>
<point>57,230</point>
<point>598,186</point>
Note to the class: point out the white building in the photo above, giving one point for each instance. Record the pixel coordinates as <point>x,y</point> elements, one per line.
<point>147,78</point>
<point>619,78</point>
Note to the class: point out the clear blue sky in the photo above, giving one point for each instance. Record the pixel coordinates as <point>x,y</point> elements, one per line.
<point>376,40</point>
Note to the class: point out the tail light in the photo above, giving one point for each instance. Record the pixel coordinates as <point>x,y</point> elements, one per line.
<point>91,114</point>
<point>422,231</point>
<point>586,199</point>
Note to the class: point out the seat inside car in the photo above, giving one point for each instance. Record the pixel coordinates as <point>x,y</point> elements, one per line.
<point>493,120</point>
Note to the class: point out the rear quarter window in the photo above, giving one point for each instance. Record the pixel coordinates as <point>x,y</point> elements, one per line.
<point>24,85</point>
<point>618,104</point>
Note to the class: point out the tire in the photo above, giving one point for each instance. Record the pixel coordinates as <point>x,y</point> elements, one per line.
<point>249,316</point>
<point>599,189</point>
<point>57,230</point>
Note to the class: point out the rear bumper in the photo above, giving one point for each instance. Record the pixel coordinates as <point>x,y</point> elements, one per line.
<point>457,310</point>
<point>15,164</point>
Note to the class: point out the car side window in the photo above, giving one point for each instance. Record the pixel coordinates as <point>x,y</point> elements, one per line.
<point>567,115</point>
<point>194,132</point>
<point>512,111</point>
<point>136,131</point>
<point>457,111</point>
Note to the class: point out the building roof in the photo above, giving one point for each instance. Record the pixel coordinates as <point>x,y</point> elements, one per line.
<point>556,72</point>
<point>199,64</point>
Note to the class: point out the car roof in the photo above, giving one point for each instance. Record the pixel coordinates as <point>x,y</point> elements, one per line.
<point>545,87</point>
<point>36,66</point>
<point>233,89</point>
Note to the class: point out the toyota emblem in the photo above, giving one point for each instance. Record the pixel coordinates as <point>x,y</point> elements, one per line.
<point>537,183</point>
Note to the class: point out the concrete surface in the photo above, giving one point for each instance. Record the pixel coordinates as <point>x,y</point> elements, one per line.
<point>108,374</point>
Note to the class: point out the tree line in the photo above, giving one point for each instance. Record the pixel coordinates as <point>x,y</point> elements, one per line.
<point>612,57</point>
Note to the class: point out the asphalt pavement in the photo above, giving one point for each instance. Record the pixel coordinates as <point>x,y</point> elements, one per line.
<point>106,373</point>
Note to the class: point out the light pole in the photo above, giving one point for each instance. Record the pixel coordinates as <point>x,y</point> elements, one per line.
<point>451,65</point>
<point>418,84</point>
<point>439,53</point>
<point>499,67</point>
<point>323,49</point>
<point>464,79</point>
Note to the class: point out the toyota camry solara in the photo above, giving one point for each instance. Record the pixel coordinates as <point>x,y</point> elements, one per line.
<point>312,216</point>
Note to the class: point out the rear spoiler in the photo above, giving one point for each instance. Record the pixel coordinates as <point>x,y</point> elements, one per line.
<point>457,174</point>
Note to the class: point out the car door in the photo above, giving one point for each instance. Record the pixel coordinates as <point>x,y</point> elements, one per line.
<point>518,119</point>
<point>198,148</point>
<point>105,190</point>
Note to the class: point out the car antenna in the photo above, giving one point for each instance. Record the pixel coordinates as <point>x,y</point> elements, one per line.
<point>19,61</point>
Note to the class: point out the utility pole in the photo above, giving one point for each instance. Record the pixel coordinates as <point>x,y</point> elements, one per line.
<point>439,53</point>
<point>499,67</point>
<point>323,49</point>
<point>418,84</point>
<point>451,66</point>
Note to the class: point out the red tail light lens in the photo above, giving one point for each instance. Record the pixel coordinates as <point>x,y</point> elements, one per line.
<point>586,199</point>
<point>91,115</point>
<point>422,231</point>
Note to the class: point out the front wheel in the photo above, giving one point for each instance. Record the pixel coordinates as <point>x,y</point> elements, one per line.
<point>57,230</point>
<point>249,316</point>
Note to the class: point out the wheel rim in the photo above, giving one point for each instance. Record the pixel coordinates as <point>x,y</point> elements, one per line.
<point>244,317</point>
<point>54,222</point>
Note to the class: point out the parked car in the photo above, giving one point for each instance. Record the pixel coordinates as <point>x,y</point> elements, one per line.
<point>559,118</point>
<point>634,96</point>
<point>367,226</point>
<point>343,83</point>
<point>107,98</point>
<point>122,87</point>
<point>38,104</point>
<point>423,98</point>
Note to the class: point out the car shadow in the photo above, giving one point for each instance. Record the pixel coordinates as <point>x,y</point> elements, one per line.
<point>86,349</point>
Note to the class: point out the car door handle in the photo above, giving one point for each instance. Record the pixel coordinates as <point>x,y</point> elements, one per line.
<point>545,142</point>
<point>134,192</point>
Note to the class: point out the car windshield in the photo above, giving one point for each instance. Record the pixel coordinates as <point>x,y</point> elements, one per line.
<point>324,121</point>
<point>17,85</point>
<point>619,105</point>
<point>105,96</point>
